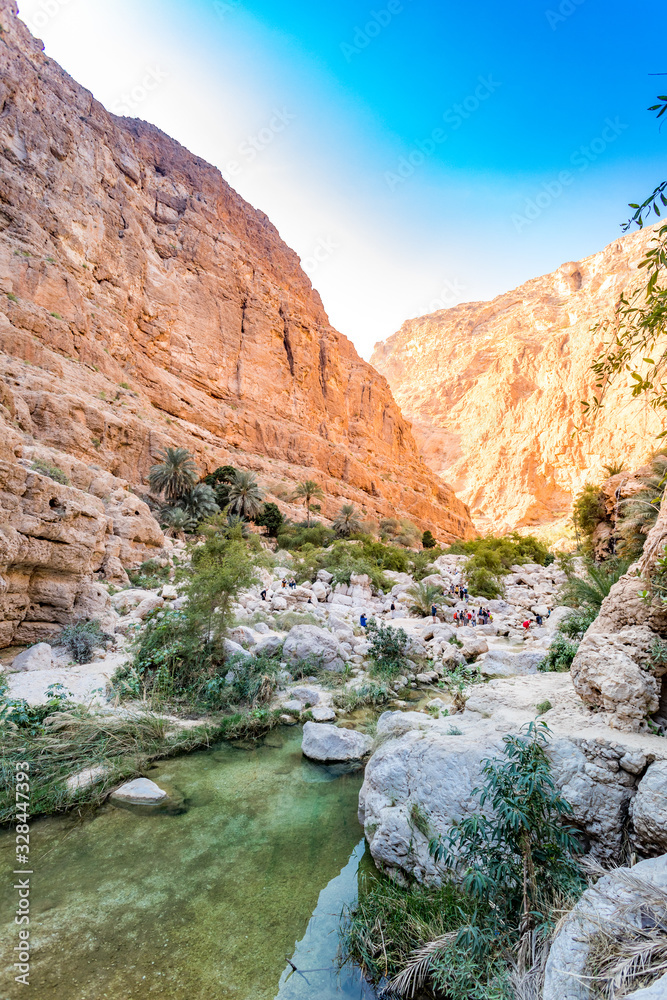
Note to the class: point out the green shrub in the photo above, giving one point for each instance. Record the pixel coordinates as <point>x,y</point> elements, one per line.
<point>560,655</point>
<point>368,694</point>
<point>590,590</point>
<point>52,471</point>
<point>483,582</point>
<point>388,647</point>
<point>271,519</point>
<point>428,541</point>
<point>17,712</point>
<point>149,575</point>
<point>81,638</point>
<point>588,509</point>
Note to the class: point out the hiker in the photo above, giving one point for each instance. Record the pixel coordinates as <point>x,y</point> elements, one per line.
<point>434,612</point>
<point>526,624</point>
<point>363,621</point>
<point>538,619</point>
<point>284,583</point>
<point>456,619</point>
<point>263,594</point>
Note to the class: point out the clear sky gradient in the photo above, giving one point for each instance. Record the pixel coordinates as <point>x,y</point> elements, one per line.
<point>414,153</point>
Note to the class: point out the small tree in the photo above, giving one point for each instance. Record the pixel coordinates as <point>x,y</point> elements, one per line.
<point>307,491</point>
<point>270,518</point>
<point>428,540</point>
<point>220,480</point>
<point>245,496</point>
<point>174,475</point>
<point>388,647</point>
<point>523,854</point>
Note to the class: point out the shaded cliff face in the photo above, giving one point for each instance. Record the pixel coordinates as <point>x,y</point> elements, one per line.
<point>144,303</point>
<point>493,390</point>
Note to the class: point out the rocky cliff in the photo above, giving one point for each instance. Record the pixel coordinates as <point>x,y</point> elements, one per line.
<point>493,390</point>
<point>143,303</point>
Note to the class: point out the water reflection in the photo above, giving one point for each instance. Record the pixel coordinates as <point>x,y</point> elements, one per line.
<point>315,955</point>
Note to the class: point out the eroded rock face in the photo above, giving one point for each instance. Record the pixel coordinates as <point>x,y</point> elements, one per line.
<point>156,307</point>
<point>613,671</point>
<point>649,810</point>
<point>493,389</point>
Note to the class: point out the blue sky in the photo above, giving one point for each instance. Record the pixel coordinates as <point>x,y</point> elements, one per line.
<point>415,154</point>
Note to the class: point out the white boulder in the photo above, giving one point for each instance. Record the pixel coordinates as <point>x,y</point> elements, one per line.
<point>37,657</point>
<point>330,745</point>
<point>649,810</point>
<point>315,644</point>
<point>140,791</point>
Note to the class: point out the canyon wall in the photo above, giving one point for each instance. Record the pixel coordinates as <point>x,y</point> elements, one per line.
<point>493,390</point>
<point>143,303</point>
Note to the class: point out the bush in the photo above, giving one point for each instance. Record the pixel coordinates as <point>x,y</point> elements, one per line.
<point>424,596</point>
<point>52,471</point>
<point>81,638</point>
<point>368,694</point>
<point>490,558</point>
<point>388,648</point>
<point>483,583</point>
<point>428,541</point>
<point>588,509</point>
<point>590,590</point>
<point>561,654</point>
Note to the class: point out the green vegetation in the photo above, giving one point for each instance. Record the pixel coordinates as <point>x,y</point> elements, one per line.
<point>12,297</point>
<point>181,655</point>
<point>491,558</point>
<point>52,471</point>
<point>149,575</point>
<point>588,510</point>
<point>270,518</point>
<point>459,680</point>
<point>569,633</point>
<point>245,496</point>
<point>639,513</point>
<point>401,532</point>
<point>590,590</point>
<point>361,697</point>
<point>423,596</point>
<point>388,648</point>
<point>347,521</point>
<point>495,907</point>
<point>174,475</point>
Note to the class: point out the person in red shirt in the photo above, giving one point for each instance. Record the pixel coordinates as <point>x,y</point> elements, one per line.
<point>526,624</point>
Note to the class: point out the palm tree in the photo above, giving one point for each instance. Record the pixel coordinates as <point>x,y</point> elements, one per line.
<point>199,502</point>
<point>175,521</point>
<point>347,521</point>
<point>307,491</point>
<point>423,596</point>
<point>589,591</point>
<point>174,475</point>
<point>245,496</point>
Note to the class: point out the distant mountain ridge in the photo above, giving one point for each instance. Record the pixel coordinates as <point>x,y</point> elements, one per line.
<point>493,390</point>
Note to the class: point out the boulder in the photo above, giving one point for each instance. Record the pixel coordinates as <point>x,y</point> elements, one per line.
<point>314,644</point>
<point>328,744</point>
<point>127,600</point>
<point>306,695</point>
<point>648,810</point>
<point>269,645</point>
<point>472,648</point>
<point>140,791</point>
<point>234,648</point>
<point>502,662</point>
<point>37,657</point>
<point>278,603</point>
<point>614,672</point>
<point>152,603</point>
<point>322,713</point>
<point>619,898</point>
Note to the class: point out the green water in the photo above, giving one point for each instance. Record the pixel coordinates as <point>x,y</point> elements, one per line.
<point>203,900</point>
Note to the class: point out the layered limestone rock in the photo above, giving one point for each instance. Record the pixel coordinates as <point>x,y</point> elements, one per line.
<point>493,390</point>
<point>143,303</point>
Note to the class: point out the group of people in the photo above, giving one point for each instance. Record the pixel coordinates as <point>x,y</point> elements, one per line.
<point>481,617</point>
<point>459,590</point>
<point>291,583</point>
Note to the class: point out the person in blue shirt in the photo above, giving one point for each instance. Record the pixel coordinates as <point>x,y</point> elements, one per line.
<point>363,621</point>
